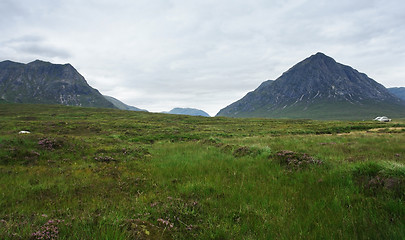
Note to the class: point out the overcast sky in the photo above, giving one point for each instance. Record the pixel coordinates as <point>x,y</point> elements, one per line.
<point>206,54</point>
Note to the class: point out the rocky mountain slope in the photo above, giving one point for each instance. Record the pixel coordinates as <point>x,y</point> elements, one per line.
<point>47,83</point>
<point>318,88</point>
<point>120,105</point>
<point>398,91</point>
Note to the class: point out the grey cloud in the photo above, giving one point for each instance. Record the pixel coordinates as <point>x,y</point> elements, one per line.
<point>10,10</point>
<point>43,50</point>
<point>35,46</point>
<point>166,53</point>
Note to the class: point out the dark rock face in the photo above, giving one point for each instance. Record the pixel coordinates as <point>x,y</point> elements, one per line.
<point>317,79</point>
<point>47,83</point>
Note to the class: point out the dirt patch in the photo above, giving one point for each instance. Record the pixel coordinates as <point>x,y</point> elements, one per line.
<point>376,130</point>
<point>387,130</point>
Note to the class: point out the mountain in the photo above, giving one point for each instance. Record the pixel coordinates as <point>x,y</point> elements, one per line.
<point>398,91</point>
<point>120,105</point>
<point>318,88</point>
<point>47,83</point>
<point>189,111</point>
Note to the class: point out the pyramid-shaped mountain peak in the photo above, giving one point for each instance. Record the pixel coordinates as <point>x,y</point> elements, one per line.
<point>317,61</point>
<point>313,88</point>
<point>321,57</point>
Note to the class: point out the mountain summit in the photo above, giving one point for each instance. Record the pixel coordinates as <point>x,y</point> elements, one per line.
<point>318,88</point>
<point>47,83</point>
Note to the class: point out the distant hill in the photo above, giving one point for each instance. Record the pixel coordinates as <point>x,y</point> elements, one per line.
<point>189,111</point>
<point>318,88</point>
<point>398,91</point>
<point>120,105</point>
<point>47,83</point>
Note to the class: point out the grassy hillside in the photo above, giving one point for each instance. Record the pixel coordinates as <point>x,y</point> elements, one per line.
<point>120,105</point>
<point>326,110</point>
<point>85,173</point>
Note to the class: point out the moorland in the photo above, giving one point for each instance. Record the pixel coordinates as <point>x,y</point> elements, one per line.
<point>92,173</point>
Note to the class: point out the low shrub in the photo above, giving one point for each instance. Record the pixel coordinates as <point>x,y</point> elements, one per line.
<point>295,161</point>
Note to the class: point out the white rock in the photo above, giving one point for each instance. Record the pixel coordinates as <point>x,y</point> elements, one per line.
<point>23,132</point>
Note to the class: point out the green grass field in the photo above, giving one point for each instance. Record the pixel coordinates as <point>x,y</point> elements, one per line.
<point>86,173</point>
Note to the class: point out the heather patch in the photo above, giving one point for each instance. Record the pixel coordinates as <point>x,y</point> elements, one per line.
<point>50,230</point>
<point>296,161</point>
<point>50,143</point>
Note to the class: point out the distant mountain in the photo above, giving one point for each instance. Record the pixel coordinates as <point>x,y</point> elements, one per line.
<point>189,111</point>
<point>398,91</point>
<point>47,83</point>
<point>318,88</point>
<point>120,105</point>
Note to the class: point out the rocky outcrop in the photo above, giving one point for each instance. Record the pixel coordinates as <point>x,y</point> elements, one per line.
<point>47,83</point>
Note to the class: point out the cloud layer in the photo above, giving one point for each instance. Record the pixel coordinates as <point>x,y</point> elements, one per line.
<point>206,54</point>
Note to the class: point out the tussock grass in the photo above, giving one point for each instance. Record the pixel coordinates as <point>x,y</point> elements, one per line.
<point>88,173</point>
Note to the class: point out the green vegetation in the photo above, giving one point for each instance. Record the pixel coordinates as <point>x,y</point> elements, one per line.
<point>87,173</point>
<point>327,110</point>
<point>120,105</point>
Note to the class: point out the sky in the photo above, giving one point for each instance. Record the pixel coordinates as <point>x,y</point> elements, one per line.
<point>205,54</point>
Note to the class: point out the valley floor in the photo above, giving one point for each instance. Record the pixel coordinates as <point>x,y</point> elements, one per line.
<point>85,173</point>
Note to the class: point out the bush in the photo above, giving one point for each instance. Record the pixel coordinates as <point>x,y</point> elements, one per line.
<point>295,161</point>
